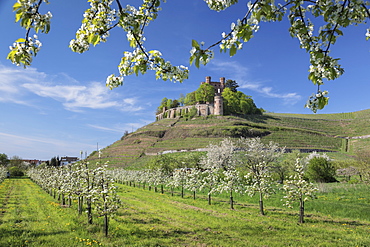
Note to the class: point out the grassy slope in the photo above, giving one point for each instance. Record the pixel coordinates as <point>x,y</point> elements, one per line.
<point>294,131</point>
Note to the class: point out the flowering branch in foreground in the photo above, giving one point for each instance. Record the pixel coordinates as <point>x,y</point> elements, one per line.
<point>102,17</point>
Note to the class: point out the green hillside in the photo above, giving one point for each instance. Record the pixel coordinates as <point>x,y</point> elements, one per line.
<point>327,132</point>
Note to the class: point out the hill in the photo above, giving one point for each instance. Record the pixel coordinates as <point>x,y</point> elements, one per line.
<point>343,133</point>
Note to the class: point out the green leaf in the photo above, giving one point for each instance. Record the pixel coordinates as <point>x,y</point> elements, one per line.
<point>136,70</point>
<point>11,55</point>
<point>323,101</point>
<point>20,40</point>
<point>191,60</point>
<point>96,40</point>
<point>197,61</point>
<point>18,16</point>
<point>233,50</point>
<point>16,6</point>
<point>90,38</point>
<point>195,44</point>
<point>204,57</point>
<point>47,28</point>
<point>339,32</point>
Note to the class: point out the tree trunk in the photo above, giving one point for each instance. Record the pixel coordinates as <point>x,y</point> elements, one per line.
<point>194,194</point>
<point>80,205</point>
<point>162,190</point>
<point>231,200</point>
<point>301,210</point>
<point>89,211</point>
<point>182,191</point>
<point>261,204</point>
<point>209,199</point>
<point>106,224</point>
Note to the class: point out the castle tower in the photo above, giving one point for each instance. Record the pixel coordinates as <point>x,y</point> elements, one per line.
<point>218,106</point>
<point>219,86</point>
<point>208,79</point>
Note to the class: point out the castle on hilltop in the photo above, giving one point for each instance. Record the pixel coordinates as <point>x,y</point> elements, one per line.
<point>209,108</point>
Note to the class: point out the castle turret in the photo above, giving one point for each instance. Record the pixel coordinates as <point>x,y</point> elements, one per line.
<point>218,106</point>
<point>208,79</point>
<point>222,81</point>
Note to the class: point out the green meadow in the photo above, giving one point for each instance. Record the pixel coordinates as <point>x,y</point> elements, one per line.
<point>339,217</point>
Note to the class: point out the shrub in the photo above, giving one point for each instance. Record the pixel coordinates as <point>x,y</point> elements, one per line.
<point>353,181</point>
<point>320,170</point>
<point>193,112</point>
<point>15,171</point>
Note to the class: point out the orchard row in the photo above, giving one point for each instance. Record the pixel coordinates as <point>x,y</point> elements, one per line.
<point>242,167</point>
<point>92,187</point>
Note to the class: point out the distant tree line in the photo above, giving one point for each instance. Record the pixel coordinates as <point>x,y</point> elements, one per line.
<point>234,101</point>
<point>16,166</point>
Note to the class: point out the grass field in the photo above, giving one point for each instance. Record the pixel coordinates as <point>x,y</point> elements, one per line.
<point>339,217</point>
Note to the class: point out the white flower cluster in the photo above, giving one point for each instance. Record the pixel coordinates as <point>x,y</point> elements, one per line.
<point>317,101</point>
<point>178,178</point>
<point>259,181</point>
<point>27,14</point>
<point>367,34</point>
<point>22,51</point>
<point>194,180</point>
<point>114,81</point>
<point>315,155</point>
<point>323,67</point>
<point>219,5</point>
<point>3,172</point>
<point>140,61</point>
<point>97,22</point>
<point>198,55</point>
<point>241,32</point>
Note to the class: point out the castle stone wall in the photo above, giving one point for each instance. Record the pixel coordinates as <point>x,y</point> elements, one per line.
<point>215,108</point>
<point>202,110</point>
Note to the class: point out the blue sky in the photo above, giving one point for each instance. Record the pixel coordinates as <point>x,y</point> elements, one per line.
<point>60,105</point>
